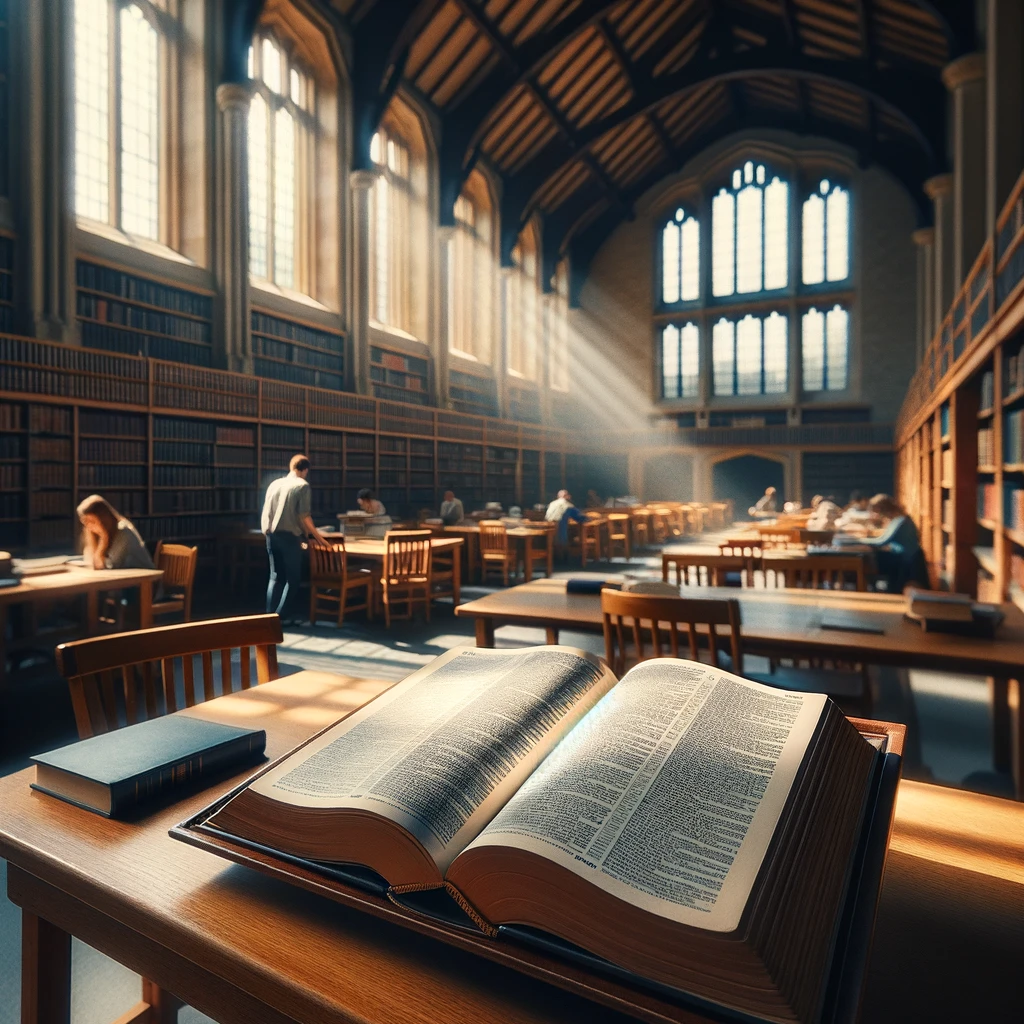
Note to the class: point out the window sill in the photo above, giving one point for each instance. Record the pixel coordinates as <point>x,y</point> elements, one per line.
<point>138,255</point>
<point>470,364</point>
<point>270,298</point>
<point>381,334</point>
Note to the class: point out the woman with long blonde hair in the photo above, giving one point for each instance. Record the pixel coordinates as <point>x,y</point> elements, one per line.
<point>109,539</point>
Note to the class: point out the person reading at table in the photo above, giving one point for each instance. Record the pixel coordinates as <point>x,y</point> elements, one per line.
<point>897,548</point>
<point>452,512</point>
<point>286,519</point>
<point>563,511</point>
<point>109,539</point>
<point>765,505</point>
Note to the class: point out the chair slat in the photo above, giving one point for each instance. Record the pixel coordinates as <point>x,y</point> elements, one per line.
<point>188,675</point>
<point>226,685</point>
<point>170,691</point>
<point>243,657</point>
<point>208,689</point>
<point>149,686</point>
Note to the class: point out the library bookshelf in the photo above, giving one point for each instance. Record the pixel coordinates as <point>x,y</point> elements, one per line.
<point>960,433</point>
<point>186,451</point>
<point>6,282</point>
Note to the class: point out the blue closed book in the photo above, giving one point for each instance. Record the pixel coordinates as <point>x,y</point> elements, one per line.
<point>118,772</point>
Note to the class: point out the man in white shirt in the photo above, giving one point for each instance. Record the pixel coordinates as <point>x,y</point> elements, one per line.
<point>452,512</point>
<point>560,511</point>
<point>287,517</point>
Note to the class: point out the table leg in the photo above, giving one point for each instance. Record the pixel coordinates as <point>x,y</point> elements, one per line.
<point>528,561</point>
<point>551,635</point>
<point>999,687</point>
<point>1016,705</point>
<point>163,1007</point>
<point>145,604</point>
<point>485,632</point>
<point>92,613</point>
<point>45,972</point>
<point>456,578</point>
<point>551,553</point>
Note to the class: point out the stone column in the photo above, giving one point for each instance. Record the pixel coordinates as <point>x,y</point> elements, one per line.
<point>501,355</point>
<point>1004,104</point>
<point>965,80</point>
<point>360,183</point>
<point>232,256</point>
<point>940,190</point>
<point>445,248</point>
<point>924,239</point>
<point>44,168</point>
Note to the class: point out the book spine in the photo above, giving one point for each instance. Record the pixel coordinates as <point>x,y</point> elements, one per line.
<point>186,772</point>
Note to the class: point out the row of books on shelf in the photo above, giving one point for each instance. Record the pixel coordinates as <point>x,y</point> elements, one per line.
<point>947,515</point>
<point>11,446</point>
<point>111,424</point>
<point>1013,437</point>
<point>292,374</point>
<point>138,318</point>
<point>12,506</point>
<point>116,284</point>
<point>129,503</point>
<point>1015,507</point>
<point>11,477</point>
<point>988,390</point>
<point>125,342</point>
<point>47,475</point>
<point>51,503</point>
<point>93,475</point>
<point>299,333</point>
<point>49,449</point>
<point>1014,373</point>
<point>986,446</point>
<point>220,500</point>
<point>97,450</point>
<point>288,353</point>
<point>1013,504</point>
<point>49,419</point>
<point>947,466</point>
<point>10,416</point>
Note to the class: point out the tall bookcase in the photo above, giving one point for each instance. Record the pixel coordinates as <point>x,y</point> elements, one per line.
<point>473,393</point>
<point>133,315</point>
<point>399,377</point>
<point>960,436</point>
<point>297,352</point>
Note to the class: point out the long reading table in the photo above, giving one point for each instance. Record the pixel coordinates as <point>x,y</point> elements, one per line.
<point>248,949</point>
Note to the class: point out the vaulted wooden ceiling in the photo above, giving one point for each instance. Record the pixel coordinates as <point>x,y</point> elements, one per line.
<point>582,105</point>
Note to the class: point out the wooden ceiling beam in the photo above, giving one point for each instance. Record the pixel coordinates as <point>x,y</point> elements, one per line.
<point>864,30</point>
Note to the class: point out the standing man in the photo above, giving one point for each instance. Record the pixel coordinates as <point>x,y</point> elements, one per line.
<point>452,512</point>
<point>286,520</point>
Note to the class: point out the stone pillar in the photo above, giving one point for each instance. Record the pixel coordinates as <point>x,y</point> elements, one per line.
<point>940,190</point>
<point>232,256</point>
<point>446,252</point>
<point>501,355</point>
<point>965,80</point>
<point>924,239</point>
<point>360,183</point>
<point>44,171</point>
<point>1004,104</point>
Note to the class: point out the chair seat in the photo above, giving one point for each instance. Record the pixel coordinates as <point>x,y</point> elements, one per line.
<point>175,604</point>
<point>834,682</point>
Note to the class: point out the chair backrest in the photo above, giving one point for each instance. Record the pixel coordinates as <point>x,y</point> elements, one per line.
<point>707,570</point>
<point>635,617</point>
<point>493,537</point>
<point>751,548</point>
<point>124,675</point>
<point>178,563</point>
<point>815,572</point>
<point>618,524</point>
<point>406,555</point>
<point>328,561</point>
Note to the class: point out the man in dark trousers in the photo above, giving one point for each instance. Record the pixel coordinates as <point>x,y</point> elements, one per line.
<point>286,520</point>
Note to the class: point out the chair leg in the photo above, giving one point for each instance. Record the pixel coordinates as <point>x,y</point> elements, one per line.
<point>342,595</point>
<point>426,603</point>
<point>387,608</point>
<point>312,604</point>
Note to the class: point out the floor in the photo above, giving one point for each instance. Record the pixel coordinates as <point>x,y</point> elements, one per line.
<point>948,742</point>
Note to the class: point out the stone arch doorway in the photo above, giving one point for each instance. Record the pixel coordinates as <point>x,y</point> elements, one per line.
<point>743,479</point>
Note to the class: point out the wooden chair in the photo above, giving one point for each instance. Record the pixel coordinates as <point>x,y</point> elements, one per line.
<point>815,572</point>
<point>590,539</point>
<point>495,550</point>
<point>748,547</point>
<point>179,565</point>
<point>131,676</point>
<point>778,537</point>
<point>442,569</point>
<point>107,675</point>
<point>331,581</point>
<point>542,548</point>
<point>816,536</point>
<point>406,573</point>
<point>641,527</point>
<point>638,616</point>
<point>708,570</point>
<point>619,534</point>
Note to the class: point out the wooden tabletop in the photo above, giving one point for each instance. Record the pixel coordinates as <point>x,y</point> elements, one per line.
<point>785,622</point>
<point>373,547</point>
<point>526,530</point>
<point>247,949</point>
<point>75,579</point>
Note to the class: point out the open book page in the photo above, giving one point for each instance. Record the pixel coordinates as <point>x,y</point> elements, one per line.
<point>667,794</point>
<point>442,751</point>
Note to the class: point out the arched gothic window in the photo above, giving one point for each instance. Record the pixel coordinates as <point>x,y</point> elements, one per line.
<point>281,133</point>
<point>471,273</point>
<point>680,258</point>
<point>522,319</point>
<point>826,234</point>
<point>825,340</point>
<point>558,351</point>
<point>680,361</point>
<point>750,233</point>
<point>117,91</point>
<point>749,356</point>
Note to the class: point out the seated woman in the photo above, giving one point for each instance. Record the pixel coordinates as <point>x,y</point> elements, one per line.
<point>109,539</point>
<point>897,547</point>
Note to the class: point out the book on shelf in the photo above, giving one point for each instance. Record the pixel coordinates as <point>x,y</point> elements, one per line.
<point>988,390</point>
<point>1013,438</point>
<point>683,826</point>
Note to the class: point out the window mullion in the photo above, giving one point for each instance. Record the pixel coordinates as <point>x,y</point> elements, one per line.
<point>271,185</point>
<point>114,149</point>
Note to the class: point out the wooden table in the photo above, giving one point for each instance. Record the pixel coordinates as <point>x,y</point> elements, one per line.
<point>371,549</point>
<point>788,623</point>
<point>74,581</point>
<point>524,535</point>
<point>247,949</point>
